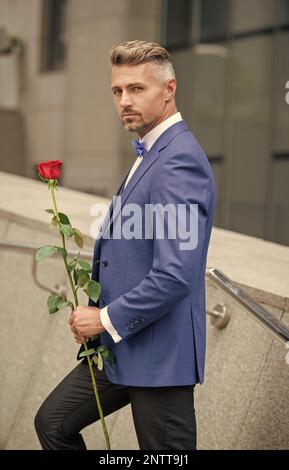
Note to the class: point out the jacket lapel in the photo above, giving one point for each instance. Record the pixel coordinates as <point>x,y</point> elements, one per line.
<point>113,212</point>
<point>147,162</point>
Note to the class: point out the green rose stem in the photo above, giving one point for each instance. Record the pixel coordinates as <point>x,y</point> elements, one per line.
<point>51,185</point>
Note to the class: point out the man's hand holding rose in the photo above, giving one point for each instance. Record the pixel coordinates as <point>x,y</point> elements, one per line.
<point>85,323</point>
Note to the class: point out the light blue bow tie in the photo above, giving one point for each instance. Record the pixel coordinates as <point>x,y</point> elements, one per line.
<point>139,148</point>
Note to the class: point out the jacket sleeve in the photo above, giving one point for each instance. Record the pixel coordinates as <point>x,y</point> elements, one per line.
<point>181,180</point>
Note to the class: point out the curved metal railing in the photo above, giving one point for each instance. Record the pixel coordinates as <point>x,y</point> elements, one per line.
<point>31,248</point>
<point>263,316</point>
<point>220,317</point>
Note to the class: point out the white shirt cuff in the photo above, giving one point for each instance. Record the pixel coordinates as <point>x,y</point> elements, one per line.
<point>106,323</point>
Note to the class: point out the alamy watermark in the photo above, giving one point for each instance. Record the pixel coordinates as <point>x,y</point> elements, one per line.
<point>151,221</point>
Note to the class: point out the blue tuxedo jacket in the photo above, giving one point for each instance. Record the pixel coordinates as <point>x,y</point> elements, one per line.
<point>155,290</point>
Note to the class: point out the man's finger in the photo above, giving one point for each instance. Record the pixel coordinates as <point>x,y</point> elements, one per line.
<point>78,339</point>
<point>73,329</point>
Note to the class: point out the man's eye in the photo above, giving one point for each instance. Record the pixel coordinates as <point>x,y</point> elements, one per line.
<point>117,92</point>
<point>137,88</point>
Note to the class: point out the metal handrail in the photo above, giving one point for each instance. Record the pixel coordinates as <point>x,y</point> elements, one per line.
<point>219,315</point>
<point>31,248</point>
<point>263,316</point>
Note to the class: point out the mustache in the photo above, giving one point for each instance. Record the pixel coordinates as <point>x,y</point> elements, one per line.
<point>128,111</point>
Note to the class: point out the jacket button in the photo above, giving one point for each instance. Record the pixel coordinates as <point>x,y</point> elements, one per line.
<point>130,326</point>
<point>104,263</point>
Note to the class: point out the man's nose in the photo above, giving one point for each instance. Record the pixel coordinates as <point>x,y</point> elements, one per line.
<point>125,100</point>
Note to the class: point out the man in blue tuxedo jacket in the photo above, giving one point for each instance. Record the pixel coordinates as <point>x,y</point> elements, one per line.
<point>151,313</point>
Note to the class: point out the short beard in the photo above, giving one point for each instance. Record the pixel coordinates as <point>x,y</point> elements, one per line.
<point>141,126</point>
<point>134,127</point>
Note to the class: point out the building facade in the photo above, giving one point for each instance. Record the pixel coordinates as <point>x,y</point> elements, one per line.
<point>232,64</point>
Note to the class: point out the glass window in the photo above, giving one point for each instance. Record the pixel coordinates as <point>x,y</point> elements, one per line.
<point>281,77</point>
<point>283,12</point>
<point>183,65</point>
<point>250,15</point>
<point>210,64</point>
<point>201,79</point>
<point>177,23</point>
<point>250,127</point>
<point>54,35</point>
<point>209,99</point>
<point>214,19</point>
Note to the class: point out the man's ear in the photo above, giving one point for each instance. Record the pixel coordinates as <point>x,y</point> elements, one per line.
<point>171,87</point>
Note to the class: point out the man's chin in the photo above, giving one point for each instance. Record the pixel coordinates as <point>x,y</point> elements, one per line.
<point>132,127</point>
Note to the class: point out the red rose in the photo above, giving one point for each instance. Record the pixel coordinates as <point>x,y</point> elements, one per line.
<point>50,170</point>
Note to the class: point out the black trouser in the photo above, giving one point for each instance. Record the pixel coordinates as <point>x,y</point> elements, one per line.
<point>164,417</point>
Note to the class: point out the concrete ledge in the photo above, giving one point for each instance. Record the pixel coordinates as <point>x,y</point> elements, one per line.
<point>244,401</point>
<point>251,261</point>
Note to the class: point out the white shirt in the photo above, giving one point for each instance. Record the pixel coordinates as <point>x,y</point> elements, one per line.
<point>148,140</point>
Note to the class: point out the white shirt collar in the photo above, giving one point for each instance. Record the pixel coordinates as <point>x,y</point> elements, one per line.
<point>150,138</point>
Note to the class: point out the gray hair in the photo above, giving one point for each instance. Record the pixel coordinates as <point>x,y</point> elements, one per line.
<point>139,52</point>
